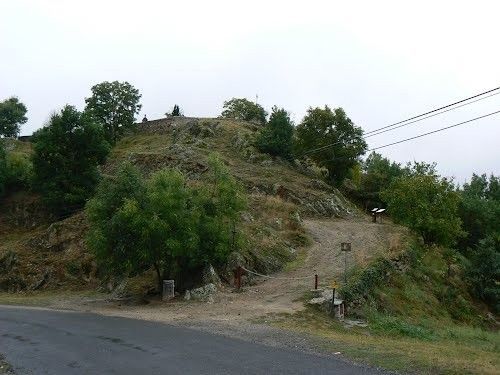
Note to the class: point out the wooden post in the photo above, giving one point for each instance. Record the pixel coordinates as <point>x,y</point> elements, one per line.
<point>333,302</point>
<point>316,281</point>
<point>239,272</point>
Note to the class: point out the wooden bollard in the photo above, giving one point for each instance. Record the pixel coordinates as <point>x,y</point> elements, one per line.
<point>238,273</point>
<point>316,281</point>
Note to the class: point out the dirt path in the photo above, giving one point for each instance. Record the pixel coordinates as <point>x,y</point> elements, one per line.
<point>282,293</point>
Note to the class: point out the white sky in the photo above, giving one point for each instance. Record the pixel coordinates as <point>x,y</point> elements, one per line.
<point>381,61</point>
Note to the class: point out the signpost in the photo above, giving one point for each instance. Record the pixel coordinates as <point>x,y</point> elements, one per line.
<point>345,247</point>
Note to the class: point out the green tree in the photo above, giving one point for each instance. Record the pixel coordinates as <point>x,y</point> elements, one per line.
<point>480,209</point>
<point>3,168</point>
<point>337,142</point>
<point>484,271</point>
<point>377,174</point>
<point>163,223</point>
<point>244,109</point>
<point>427,204</point>
<point>114,106</point>
<point>67,152</point>
<point>12,116</point>
<point>276,138</point>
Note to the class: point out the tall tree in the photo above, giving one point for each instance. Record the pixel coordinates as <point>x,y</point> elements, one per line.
<point>114,106</point>
<point>337,141</point>
<point>67,152</point>
<point>378,173</point>
<point>480,209</point>
<point>276,138</point>
<point>244,109</point>
<point>12,116</point>
<point>426,203</point>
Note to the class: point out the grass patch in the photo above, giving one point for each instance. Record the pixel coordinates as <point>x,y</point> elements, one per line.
<point>395,344</point>
<point>46,298</point>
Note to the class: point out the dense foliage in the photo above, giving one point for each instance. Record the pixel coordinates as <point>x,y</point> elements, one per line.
<point>12,116</point>
<point>426,203</point>
<point>337,142</point>
<point>484,271</point>
<point>480,213</point>
<point>67,152</point>
<point>113,105</point>
<point>243,109</point>
<point>276,138</point>
<point>3,168</point>
<point>163,222</point>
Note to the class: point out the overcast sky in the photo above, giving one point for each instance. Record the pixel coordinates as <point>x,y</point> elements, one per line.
<point>381,61</point>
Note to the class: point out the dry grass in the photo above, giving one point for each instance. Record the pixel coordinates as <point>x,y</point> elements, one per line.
<point>452,349</point>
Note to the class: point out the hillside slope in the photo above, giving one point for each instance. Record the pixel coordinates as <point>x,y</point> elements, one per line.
<point>36,253</point>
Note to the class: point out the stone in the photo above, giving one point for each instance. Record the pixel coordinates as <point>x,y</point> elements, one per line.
<point>204,293</point>
<point>187,295</point>
<point>210,276</point>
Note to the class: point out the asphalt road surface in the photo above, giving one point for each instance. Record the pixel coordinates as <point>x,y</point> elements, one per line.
<point>53,342</point>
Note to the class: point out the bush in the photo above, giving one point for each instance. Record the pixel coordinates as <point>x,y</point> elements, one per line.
<point>19,171</point>
<point>163,222</point>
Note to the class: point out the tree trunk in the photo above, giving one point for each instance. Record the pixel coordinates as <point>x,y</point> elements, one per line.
<point>160,281</point>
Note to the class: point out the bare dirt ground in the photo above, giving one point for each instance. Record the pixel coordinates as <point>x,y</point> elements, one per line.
<point>282,292</point>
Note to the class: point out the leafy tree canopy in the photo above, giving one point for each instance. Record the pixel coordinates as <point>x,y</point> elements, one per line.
<point>163,222</point>
<point>484,271</point>
<point>12,116</point>
<point>378,173</point>
<point>67,152</point>
<point>243,109</point>
<point>342,141</point>
<point>114,106</point>
<point>480,209</point>
<point>426,203</point>
<point>276,138</point>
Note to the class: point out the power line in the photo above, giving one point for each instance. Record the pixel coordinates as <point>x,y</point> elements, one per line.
<point>405,122</point>
<point>434,131</point>
<point>435,110</point>
<point>435,114</point>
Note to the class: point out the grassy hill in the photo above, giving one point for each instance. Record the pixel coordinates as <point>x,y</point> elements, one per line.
<point>37,253</point>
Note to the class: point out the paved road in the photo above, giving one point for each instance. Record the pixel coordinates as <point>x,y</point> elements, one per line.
<point>51,342</point>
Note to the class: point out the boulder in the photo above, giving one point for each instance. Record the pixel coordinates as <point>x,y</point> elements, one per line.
<point>210,276</point>
<point>204,293</point>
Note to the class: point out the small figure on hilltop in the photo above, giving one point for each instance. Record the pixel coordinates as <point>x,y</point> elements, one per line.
<point>145,119</point>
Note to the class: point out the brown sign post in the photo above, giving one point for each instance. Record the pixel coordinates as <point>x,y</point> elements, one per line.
<point>345,247</point>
